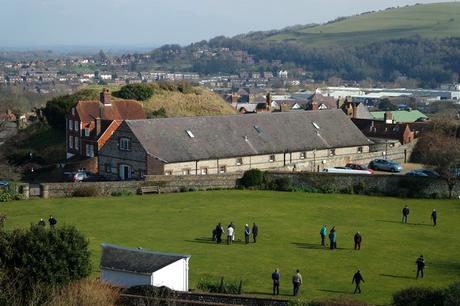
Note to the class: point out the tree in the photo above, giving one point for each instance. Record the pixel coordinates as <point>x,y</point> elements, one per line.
<point>140,92</point>
<point>440,147</point>
<point>41,258</point>
<point>386,105</point>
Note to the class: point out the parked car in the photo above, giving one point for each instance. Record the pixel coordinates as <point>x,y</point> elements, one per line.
<point>359,167</point>
<point>83,176</point>
<point>345,170</point>
<point>4,184</point>
<point>423,172</point>
<point>385,165</point>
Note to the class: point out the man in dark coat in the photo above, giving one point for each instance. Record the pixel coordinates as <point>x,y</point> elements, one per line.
<point>357,279</point>
<point>434,216</point>
<point>255,231</point>
<point>52,221</point>
<point>358,240</point>
<point>247,233</point>
<point>276,282</point>
<point>41,222</point>
<point>420,266</point>
<point>405,214</point>
<point>219,231</point>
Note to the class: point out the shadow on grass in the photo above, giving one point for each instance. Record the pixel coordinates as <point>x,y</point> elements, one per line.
<point>445,266</point>
<point>314,246</point>
<point>408,223</point>
<point>397,276</point>
<point>334,291</point>
<point>207,240</point>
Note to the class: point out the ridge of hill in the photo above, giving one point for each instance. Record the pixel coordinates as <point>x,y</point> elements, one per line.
<point>439,20</point>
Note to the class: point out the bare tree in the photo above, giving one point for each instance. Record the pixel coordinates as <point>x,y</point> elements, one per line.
<point>440,147</point>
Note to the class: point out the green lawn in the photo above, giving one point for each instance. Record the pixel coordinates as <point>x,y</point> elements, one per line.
<point>289,225</point>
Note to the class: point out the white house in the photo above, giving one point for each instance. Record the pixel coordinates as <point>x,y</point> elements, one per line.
<point>128,267</point>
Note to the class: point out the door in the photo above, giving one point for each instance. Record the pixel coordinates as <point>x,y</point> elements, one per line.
<point>125,172</point>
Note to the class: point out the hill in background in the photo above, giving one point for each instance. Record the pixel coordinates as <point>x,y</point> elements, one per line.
<point>438,20</point>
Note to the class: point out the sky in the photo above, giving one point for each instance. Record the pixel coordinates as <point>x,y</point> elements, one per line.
<point>150,23</point>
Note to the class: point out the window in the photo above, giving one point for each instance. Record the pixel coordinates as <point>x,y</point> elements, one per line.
<point>204,171</point>
<point>77,143</point>
<point>302,155</point>
<point>168,172</point>
<point>360,149</point>
<point>108,168</point>
<point>186,171</point>
<point>73,111</point>
<point>86,132</point>
<point>125,144</point>
<point>239,161</point>
<point>222,169</point>
<point>77,125</point>
<point>332,152</point>
<point>90,150</point>
<point>70,124</point>
<point>271,158</point>
<point>70,142</point>
<point>190,134</point>
<point>141,173</point>
<point>258,129</point>
<point>315,125</point>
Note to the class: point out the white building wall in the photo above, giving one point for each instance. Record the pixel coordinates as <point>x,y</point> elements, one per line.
<point>124,279</point>
<point>173,276</point>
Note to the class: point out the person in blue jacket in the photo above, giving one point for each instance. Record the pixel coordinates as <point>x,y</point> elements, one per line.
<point>323,234</point>
<point>333,238</point>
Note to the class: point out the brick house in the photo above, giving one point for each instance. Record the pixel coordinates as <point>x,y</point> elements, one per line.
<point>91,123</point>
<point>306,141</point>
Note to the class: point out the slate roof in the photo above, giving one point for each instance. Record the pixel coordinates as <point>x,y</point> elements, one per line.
<point>135,260</point>
<point>244,135</point>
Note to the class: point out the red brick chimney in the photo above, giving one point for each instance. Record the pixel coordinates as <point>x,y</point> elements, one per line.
<point>268,99</point>
<point>105,97</point>
<point>388,117</point>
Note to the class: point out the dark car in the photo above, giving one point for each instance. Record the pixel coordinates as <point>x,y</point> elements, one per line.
<point>416,173</point>
<point>4,184</point>
<point>423,172</point>
<point>385,165</point>
<point>358,167</point>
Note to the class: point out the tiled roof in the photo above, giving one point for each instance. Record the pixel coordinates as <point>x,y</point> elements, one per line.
<point>117,110</point>
<point>135,260</point>
<point>244,135</point>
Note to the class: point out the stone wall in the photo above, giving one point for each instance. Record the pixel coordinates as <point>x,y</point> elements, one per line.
<point>388,185</point>
<point>166,183</point>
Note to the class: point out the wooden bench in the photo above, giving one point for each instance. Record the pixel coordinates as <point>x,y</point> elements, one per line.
<point>149,189</point>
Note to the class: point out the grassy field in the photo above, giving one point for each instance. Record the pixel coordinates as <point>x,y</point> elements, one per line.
<point>289,225</point>
<point>429,21</point>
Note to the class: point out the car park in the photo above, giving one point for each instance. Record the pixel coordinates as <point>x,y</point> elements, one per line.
<point>346,170</point>
<point>385,165</point>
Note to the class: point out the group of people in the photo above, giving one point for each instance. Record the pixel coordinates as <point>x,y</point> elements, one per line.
<point>52,221</point>
<point>218,231</point>
<point>406,211</point>
<point>333,238</point>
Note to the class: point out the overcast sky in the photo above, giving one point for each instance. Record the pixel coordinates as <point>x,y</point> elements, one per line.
<point>29,23</point>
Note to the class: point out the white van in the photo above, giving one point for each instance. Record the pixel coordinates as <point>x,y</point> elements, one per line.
<point>346,170</point>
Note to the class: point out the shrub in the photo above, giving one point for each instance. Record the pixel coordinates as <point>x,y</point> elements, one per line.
<point>86,191</point>
<point>337,302</point>
<point>86,292</point>
<point>283,183</point>
<point>121,193</point>
<point>452,295</point>
<point>252,178</point>
<point>140,92</point>
<point>220,286</point>
<point>5,196</point>
<point>417,296</point>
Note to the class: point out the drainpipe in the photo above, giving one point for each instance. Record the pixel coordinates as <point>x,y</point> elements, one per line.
<point>196,168</point>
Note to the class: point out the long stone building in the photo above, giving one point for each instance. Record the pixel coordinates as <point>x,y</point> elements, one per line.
<point>298,141</point>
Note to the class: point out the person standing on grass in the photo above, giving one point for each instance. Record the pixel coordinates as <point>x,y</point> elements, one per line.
<point>230,231</point>
<point>276,282</point>
<point>323,234</point>
<point>41,222</point>
<point>52,221</point>
<point>420,266</point>
<point>405,214</point>
<point>232,226</point>
<point>333,238</point>
<point>247,233</point>
<point>358,240</point>
<point>255,231</point>
<point>434,215</point>
<point>357,278</point>
<point>296,282</point>
<point>219,231</point>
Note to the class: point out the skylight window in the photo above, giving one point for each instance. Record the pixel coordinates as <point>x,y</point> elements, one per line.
<point>190,134</point>
<point>315,125</point>
<point>258,129</point>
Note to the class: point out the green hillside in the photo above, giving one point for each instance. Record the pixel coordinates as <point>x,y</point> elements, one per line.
<point>429,21</point>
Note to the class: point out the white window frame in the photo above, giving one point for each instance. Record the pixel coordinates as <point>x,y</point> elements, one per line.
<point>70,124</point>
<point>77,143</point>
<point>89,153</point>
<point>168,172</point>
<point>204,171</point>
<point>360,150</point>
<point>222,169</point>
<point>332,152</point>
<point>239,161</point>
<point>303,155</point>
<point>124,144</point>
<point>186,171</point>
<point>70,142</point>
<point>76,125</point>
<point>272,158</point>
<point>86,132</point>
